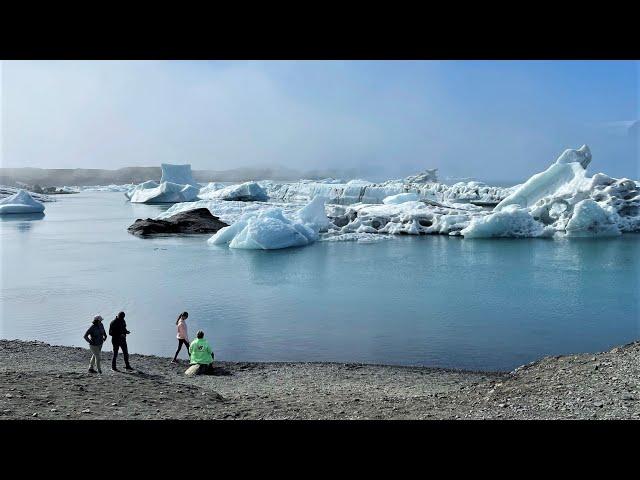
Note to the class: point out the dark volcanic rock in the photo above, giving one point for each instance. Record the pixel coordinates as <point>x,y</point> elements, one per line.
<point>199,220</point>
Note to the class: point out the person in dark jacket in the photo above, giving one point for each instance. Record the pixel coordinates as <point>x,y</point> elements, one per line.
<point>95,337</point>
<point>118,331</point>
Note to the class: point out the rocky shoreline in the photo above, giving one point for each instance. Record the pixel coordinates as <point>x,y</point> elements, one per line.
<point>41,381</point>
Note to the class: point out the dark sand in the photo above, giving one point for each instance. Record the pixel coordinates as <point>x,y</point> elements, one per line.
<point>40,381</point>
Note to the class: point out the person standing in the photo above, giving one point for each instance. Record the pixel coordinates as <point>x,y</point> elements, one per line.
<point>118,331</point>
<point>95,337</point>
<point>182,335</point>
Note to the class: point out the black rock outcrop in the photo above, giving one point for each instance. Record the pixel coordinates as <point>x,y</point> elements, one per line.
<point>199,220</point>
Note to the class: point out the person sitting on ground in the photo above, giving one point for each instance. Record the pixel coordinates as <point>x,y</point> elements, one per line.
<point>182,335</point>
<point>118,331</point>
<point>95,337</point>
<point>200,353</point>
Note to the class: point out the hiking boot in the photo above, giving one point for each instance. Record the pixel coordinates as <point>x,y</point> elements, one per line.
<point>129,367</point>
<point>91,370</point>
<point>115,369</point>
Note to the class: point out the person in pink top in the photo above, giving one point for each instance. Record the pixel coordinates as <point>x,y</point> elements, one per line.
<point>182,335</point>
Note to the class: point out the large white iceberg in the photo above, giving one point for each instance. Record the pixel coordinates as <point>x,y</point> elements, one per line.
<point>566,174</point>
<point>20,202</point>
<point>246,192</point>
<point>561,200</point>
<point>180,174</point>
<point>270,229</point>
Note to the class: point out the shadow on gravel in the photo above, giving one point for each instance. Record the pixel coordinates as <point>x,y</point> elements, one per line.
<point>219,372</point>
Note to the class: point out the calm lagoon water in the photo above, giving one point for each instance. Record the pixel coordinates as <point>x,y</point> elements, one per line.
<point>435,300</point>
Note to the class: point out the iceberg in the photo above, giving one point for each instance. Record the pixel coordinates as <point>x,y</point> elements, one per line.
<point>20,202</point>
<point>270,229</point>
<point>149,184</point>
<point>562,200</point>
<point>176,185</point>
<point>180,174</point>
<point>245,192</point>
<point>166,192</point>
<point>427,176</point>
<point>567,173</point>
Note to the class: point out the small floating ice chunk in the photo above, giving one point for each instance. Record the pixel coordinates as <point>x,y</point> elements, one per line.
<point>20,202</point>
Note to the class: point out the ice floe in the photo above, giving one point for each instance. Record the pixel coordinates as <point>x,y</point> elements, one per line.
<point>20,202</point>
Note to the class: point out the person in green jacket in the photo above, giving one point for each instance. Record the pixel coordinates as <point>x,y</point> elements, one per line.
<point>200,352</point>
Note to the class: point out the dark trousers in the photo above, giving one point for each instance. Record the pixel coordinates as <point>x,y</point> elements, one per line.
<point>180,342</point>
<point>120,343</point>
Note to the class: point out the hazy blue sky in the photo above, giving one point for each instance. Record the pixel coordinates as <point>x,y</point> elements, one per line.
<point>485,119</point>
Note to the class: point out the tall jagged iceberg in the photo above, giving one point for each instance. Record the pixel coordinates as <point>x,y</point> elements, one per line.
<point>567,173</point>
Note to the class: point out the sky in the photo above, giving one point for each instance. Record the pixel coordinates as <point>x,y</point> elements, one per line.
<point>488,120</point>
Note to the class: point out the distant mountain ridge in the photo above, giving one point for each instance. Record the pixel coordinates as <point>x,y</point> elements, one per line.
<point>59,177</point>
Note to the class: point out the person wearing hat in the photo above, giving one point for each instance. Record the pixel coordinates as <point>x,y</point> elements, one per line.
<point>95,337</point>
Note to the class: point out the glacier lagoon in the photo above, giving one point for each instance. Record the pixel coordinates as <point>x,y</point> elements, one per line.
<point>413,300</point>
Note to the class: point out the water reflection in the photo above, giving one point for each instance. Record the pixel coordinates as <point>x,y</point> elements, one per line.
<point>21,217</point>
<point>22,221</point>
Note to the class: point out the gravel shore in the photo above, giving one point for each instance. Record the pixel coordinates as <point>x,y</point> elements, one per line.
<point>40,381</point>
